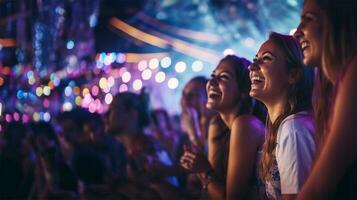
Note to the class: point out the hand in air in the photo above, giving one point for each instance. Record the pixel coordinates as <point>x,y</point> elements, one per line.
<point>194,160</point>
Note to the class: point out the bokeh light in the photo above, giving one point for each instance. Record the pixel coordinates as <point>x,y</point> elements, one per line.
<point>180,67</point>
<point>70,44</point>
<point>123,88</point>
<point>160,77</point>
<point>108,98</point>
<point>68,91</point>
<point>165,62</point>
<point>154,63</point>
<point>197,66</point>
<point>173,83</point>
<point>95,90</point>
<point>126,77</point>
<point>227,52</point>
<point>67,106</point>
<point>137,84</point>
<point>143,64</point>
<point>146,74</point>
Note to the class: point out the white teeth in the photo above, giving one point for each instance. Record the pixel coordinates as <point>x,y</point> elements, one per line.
<point>304,45</point>
<point>213,93</point>
<point>257,78</point>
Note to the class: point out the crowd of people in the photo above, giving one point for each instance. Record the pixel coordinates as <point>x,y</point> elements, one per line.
<point>280,127</point>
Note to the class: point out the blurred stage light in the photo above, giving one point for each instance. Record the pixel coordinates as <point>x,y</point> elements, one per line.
<point>46,117</point>
<point>143,64</point>
<point>137,84</point>
<point>146,74</point>
<point>123,88</point>
<point>121,58</point>
<point>160,77</point>
<point>70,44</point>
<point>180,67</point>
<point>39,91</point>
<point>126,77</point>
<point>173,83</point>
<point>108,98</point>
<point>46,91</point>
<point>165,62</point>
<point>68,91</point>
<point>95,90</point>
<point>249,42</point>
<point>154,63</point>
<point>227,52</point>
<point>67,106</point>
<point>197,66</point>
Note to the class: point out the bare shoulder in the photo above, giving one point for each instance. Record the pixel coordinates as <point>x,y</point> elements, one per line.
<point>248,124</point>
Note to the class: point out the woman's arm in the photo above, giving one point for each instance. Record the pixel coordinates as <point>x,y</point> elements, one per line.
<point>245,141</point>
<point>340,148</point>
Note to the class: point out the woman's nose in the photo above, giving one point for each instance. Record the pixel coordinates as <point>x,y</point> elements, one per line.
<point>253,66</point>
<point>298,32</point>
<point>213,81</point>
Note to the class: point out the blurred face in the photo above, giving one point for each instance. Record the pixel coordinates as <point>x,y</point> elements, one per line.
<point>309,33</point>
<point>222,88</point>
<point>117,118</point>
<point>268,73</point>
<point>194,95</point>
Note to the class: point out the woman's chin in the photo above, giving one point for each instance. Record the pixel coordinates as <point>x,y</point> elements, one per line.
<point>254,94</point>
<point>211,105</point>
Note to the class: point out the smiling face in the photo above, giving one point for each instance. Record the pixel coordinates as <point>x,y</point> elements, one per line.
<point>309,33</point>
<point>268,73</point>
<point>194,95</point>
<point>222,88</point>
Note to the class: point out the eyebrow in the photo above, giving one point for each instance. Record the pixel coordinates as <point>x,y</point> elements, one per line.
<point>309,13</point>
<point>228,72</point>
<point>265,53</point>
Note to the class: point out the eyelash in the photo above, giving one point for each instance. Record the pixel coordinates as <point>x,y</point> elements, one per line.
<point>264,58</point>
<point>225,77</point>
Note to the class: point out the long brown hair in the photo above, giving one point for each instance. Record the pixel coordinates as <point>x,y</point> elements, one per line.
<point>339,39</point>
<point>299,97</point>
<point>339,46</point>
<point>240,66</point>
<point>321,105</point>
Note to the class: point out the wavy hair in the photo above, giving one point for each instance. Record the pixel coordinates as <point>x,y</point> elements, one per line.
<point>339,38</point>
<point>299,96</point>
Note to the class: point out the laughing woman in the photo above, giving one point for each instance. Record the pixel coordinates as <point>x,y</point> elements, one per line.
<point>234,138</point>
<point>280,80</point>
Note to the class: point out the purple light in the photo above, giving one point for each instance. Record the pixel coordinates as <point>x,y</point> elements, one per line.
<point>16,116</point>
<point>8,118</point>
<point>25,118</point>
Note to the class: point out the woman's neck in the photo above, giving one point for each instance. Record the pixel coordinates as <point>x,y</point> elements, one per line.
<point>228,117</point>
<point>276,109</point>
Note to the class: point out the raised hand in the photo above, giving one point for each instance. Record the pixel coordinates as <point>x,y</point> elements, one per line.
<point>194,161</point>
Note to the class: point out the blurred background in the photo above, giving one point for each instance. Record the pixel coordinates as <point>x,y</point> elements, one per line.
<point>56,55</point>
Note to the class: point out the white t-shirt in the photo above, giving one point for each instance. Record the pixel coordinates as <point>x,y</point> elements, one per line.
<point>295,151</point>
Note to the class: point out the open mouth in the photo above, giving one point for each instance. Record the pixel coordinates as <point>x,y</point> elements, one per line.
<point>213,94</point>
<point>255,79</point>
<point>304,45</point>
